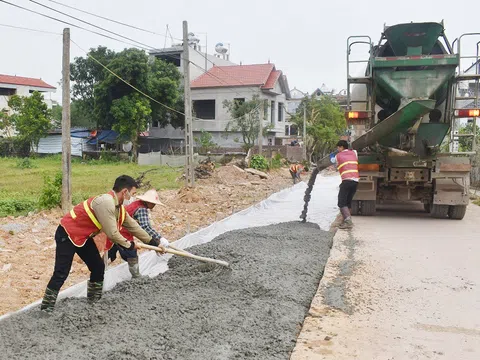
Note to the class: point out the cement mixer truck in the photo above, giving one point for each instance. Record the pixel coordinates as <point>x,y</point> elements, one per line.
<point>403,114</point>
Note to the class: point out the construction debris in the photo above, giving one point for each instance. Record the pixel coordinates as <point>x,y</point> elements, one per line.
<point>257,172</point>
<point>205,169</point>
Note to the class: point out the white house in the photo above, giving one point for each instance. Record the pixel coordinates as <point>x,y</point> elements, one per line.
<point>200,62</point>
<point>241,83</point>
<point>22,86</point>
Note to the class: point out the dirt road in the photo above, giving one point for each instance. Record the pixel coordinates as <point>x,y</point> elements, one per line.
<point>401,285</point>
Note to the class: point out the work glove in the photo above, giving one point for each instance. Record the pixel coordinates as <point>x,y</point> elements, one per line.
<point>164,242</point>
<point>154,242</point>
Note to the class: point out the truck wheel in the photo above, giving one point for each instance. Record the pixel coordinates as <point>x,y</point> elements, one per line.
<point>457,212</point>
<point>355,207</point>
<point>439,211</point>
<point>368,207</point>
<point>427,207</point>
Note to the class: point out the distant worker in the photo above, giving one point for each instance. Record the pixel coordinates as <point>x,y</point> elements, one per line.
<point>103,213</point>
<point>138,210</point>
<point>295,170</point>
<point>347,165</point>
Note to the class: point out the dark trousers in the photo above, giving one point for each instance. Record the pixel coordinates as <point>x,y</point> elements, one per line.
<point>124,253</point>
<point>64,258</point>
<point>348,188</point>
<point>295,176</point>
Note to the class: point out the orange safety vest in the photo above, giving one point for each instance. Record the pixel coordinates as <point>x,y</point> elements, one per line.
<point>296,168</point>
<point>131,210</point>
<point>81,223</point>
<point>347,161</point>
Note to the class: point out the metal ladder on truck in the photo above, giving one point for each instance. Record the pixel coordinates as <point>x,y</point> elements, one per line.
<point>465,106</point>
<point>365,117</point>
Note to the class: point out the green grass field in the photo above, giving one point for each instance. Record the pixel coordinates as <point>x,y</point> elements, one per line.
<point>20,188</point>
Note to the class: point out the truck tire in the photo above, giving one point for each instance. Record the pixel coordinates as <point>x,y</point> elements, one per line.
<point>355,208</point>
<point>368,207</point>
<point>439,211</point>
<point>457,212</point>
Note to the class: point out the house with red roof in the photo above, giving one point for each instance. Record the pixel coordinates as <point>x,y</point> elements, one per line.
<point>241,83</point>
<point>22,86</point>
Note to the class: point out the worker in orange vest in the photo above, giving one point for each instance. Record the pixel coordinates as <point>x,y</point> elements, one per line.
<point>138,210</point>
<point>103,213</point>
<point>295,170</point>
<point>347,164</point>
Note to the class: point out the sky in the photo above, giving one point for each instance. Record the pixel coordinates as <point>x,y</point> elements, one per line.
<point>306,39</point>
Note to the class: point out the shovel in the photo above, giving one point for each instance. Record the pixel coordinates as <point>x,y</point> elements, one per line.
<point>183,253</point>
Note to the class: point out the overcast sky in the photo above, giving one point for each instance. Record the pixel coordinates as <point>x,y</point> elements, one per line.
<point>306,39</point>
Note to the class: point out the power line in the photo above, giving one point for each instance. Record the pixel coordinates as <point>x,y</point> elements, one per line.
<point>111,20</point>
<point>89,23</point>
<point>67,23</point>
<point>34,30</point>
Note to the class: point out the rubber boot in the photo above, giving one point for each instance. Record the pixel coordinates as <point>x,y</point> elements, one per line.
<point>49,300</point>
<point>94,291</point>
<point>134,267</point>
<point>346,225</point>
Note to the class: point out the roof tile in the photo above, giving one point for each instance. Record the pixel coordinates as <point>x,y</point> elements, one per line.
<point>25,81</point>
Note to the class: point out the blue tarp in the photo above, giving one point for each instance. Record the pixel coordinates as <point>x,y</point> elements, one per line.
<point>104,136</point>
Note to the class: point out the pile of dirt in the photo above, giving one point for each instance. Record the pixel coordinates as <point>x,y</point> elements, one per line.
<point>252,311</point>
<point>205,169</point>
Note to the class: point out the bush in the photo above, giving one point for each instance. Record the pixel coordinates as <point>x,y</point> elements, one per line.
<point>25,163</point>
<point>259,162</point>
<point>10,207</point>
<point>51,196</point>
<point>276,162</point>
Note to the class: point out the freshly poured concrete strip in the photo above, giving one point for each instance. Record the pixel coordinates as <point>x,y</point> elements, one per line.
<point>283,206</point>
<point>252,311</point>
<point>401,285</point>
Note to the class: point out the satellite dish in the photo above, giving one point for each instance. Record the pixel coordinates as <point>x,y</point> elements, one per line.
<point>127,147</point>
<point>219,48</point>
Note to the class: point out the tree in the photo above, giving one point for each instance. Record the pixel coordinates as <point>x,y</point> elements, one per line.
<point>325,124</point>
<point>131,113</point>
<point>32,118</point>
<point>57,115</point>
<point>245,119</point>
<point>79,117</point>
<point>86,73</point>
<point>465,142</point>
<point>205,142</point>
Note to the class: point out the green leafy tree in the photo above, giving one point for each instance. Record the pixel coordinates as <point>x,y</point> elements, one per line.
<point>205,142</point>
<point>325,124</point>
<point>132,116</point>
<point>80,117</point>
<point>246,119</point>
<point>6,123</point>
<point>465,142</point>
<point>86,74</point>
<point>57,115</point>
<point>32,118</point>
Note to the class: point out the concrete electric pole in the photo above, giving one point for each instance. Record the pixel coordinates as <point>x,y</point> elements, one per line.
<point>66,141</point>
<point>189,171</point>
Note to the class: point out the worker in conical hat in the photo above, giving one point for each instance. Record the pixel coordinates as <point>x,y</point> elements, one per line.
<point>138,210</point>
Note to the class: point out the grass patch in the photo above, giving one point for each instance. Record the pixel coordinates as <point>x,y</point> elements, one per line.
<point>21,188</point>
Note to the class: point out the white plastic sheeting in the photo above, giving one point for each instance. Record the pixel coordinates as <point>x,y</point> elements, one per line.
<point>280,207</point>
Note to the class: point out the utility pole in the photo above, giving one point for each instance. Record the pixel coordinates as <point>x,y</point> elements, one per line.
<point>189,174</point>
<point>305,131</point>
<point>260,130</point>
<point>66,141</point>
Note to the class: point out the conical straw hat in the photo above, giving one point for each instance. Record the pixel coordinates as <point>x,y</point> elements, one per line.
<point>151,196</point>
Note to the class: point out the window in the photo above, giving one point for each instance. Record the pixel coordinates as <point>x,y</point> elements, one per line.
<point>170,59</point>
<point>265,109</point>
<point>238,102</point>
<point>280,112</point>
<point>293,129</point>
<point>204,109</point>
<point>7,91</point>
<point>155,124</point>
<point>287,130</point>
<point>272,112</point>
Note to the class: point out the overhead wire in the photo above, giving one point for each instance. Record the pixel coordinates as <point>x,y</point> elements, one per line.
<point>29,29</point>
<point>89,23</point>
<point>67,23</point>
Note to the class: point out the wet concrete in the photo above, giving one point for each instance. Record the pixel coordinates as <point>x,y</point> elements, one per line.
<point>253,311</point>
